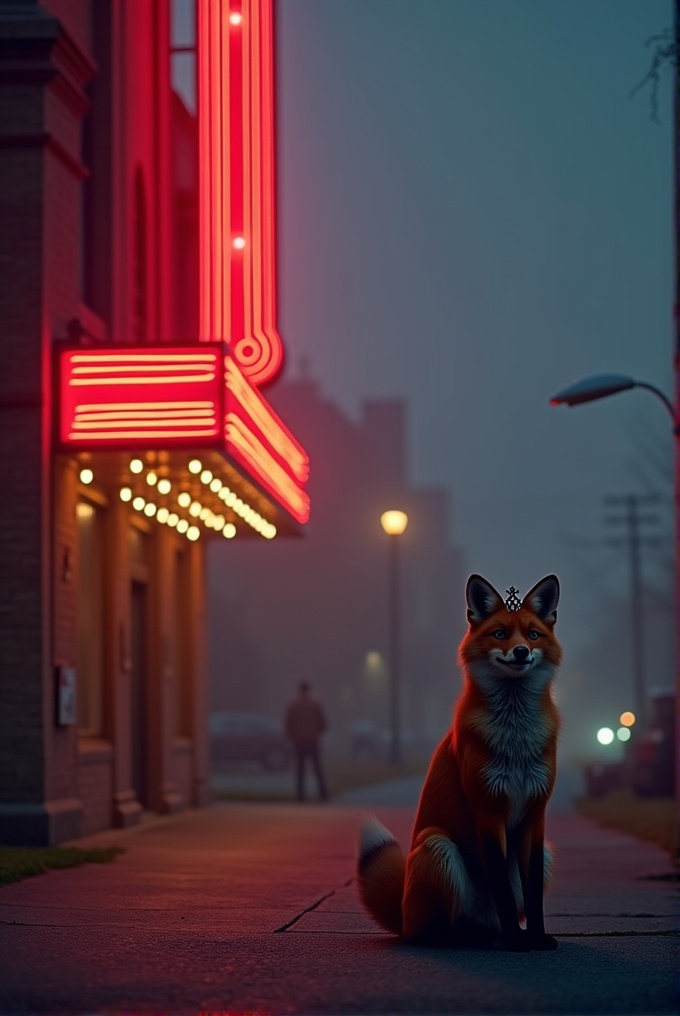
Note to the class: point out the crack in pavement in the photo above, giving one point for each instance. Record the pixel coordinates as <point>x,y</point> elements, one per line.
<point>616,934</point>
<point>313,906</point>
<point>601,913</point>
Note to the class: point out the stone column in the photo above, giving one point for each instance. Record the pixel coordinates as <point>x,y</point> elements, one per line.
<point>42,74</point>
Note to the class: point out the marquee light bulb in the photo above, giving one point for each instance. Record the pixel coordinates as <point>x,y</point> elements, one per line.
<point>164,486</point>
<point>136,466</point>
<point>235,18</point>
<point>182,526</point>
<point>163,515</point>
<point>86,476</point>
<point>239,242</point>
<point>125,494</point>
<point>218,522</point>
<point>206,476</point>
<point>151,479</point>
<point>229,531</point>
<point>173,519</point>
<point>193,532</point>
<point>184,499</point>
<point>195,466</point>
<point>150,509</point>
<point>138,503</point>
<point>216,485</point>
<point>195,509</point>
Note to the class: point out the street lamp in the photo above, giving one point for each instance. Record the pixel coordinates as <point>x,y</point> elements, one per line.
<point>599,386</point>
<point>589,389</point>
<point>394,523</point>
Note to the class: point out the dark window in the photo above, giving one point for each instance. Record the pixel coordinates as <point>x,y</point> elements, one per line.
<point>183,51</point>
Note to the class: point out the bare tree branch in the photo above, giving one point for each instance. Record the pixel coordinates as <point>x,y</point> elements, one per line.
<point>665,53</point>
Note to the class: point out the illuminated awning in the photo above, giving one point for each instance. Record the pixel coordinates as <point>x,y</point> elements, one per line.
<point>182,405</point>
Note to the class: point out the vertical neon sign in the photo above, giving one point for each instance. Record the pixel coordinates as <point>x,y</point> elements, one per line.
<point>235,42</point>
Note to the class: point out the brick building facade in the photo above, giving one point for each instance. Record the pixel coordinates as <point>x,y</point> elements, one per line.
<point>105,208</point>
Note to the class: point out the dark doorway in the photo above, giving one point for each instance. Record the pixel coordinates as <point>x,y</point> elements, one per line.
<point>138,689</point>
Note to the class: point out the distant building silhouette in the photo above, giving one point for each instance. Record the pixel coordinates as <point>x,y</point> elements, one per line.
<point>316,609</point>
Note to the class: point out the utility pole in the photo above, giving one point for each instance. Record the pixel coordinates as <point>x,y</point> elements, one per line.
<point>395,638</point>
<point>676,365</point>
<point>634,520</point>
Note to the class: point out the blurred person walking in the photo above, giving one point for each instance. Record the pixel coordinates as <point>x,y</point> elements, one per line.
<point>305,723</point>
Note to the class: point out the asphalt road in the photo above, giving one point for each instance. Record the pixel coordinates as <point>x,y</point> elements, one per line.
<point>251,908</point>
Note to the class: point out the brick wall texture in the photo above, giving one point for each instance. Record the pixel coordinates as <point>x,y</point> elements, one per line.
<point>44,75</point>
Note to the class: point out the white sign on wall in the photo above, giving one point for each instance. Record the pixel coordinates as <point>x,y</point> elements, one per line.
<point>66,696</point>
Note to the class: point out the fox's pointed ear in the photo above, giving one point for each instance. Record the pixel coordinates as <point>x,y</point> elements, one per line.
<point>482,599</point>
<point>543,598</point>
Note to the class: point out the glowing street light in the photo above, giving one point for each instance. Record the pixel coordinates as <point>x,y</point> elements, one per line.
<point>394,523</point>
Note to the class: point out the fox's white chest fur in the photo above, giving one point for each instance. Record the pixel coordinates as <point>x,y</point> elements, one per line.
<point>516,734</point>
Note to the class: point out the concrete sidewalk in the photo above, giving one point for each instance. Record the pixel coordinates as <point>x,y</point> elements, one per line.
<point>251,908</point>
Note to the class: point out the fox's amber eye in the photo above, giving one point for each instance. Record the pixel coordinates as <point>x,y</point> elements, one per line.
<point>533,634</point>
<point>499,634</point>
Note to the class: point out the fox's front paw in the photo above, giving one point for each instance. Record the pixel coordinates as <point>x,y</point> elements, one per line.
<point>545,943</point>
<point>517,942</point>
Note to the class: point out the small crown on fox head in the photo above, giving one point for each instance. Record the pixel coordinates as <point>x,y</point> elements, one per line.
<point>513,601</point>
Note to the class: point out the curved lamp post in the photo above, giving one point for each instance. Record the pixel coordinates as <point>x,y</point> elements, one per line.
<point>599,386</point>
<point>589,389</point>
<point>394,523</point>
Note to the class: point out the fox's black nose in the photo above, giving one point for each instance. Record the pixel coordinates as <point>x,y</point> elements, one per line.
<point>520,653</point>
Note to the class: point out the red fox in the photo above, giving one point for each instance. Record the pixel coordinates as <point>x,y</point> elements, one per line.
<point>478,862</point>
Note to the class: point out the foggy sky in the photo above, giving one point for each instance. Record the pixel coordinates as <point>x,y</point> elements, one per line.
<point>474,213</point>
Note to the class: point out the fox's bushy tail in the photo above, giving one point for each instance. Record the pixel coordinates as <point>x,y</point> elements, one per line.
<point>380,874</point>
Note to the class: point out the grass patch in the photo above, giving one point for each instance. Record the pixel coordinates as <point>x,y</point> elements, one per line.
<point>17,863</point>
<point>654,819</point>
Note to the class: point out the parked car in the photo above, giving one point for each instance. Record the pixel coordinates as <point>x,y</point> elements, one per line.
<point>248,737</point>
<point>648,764</point>
<point>364,734</point>
<point>654,752</point>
